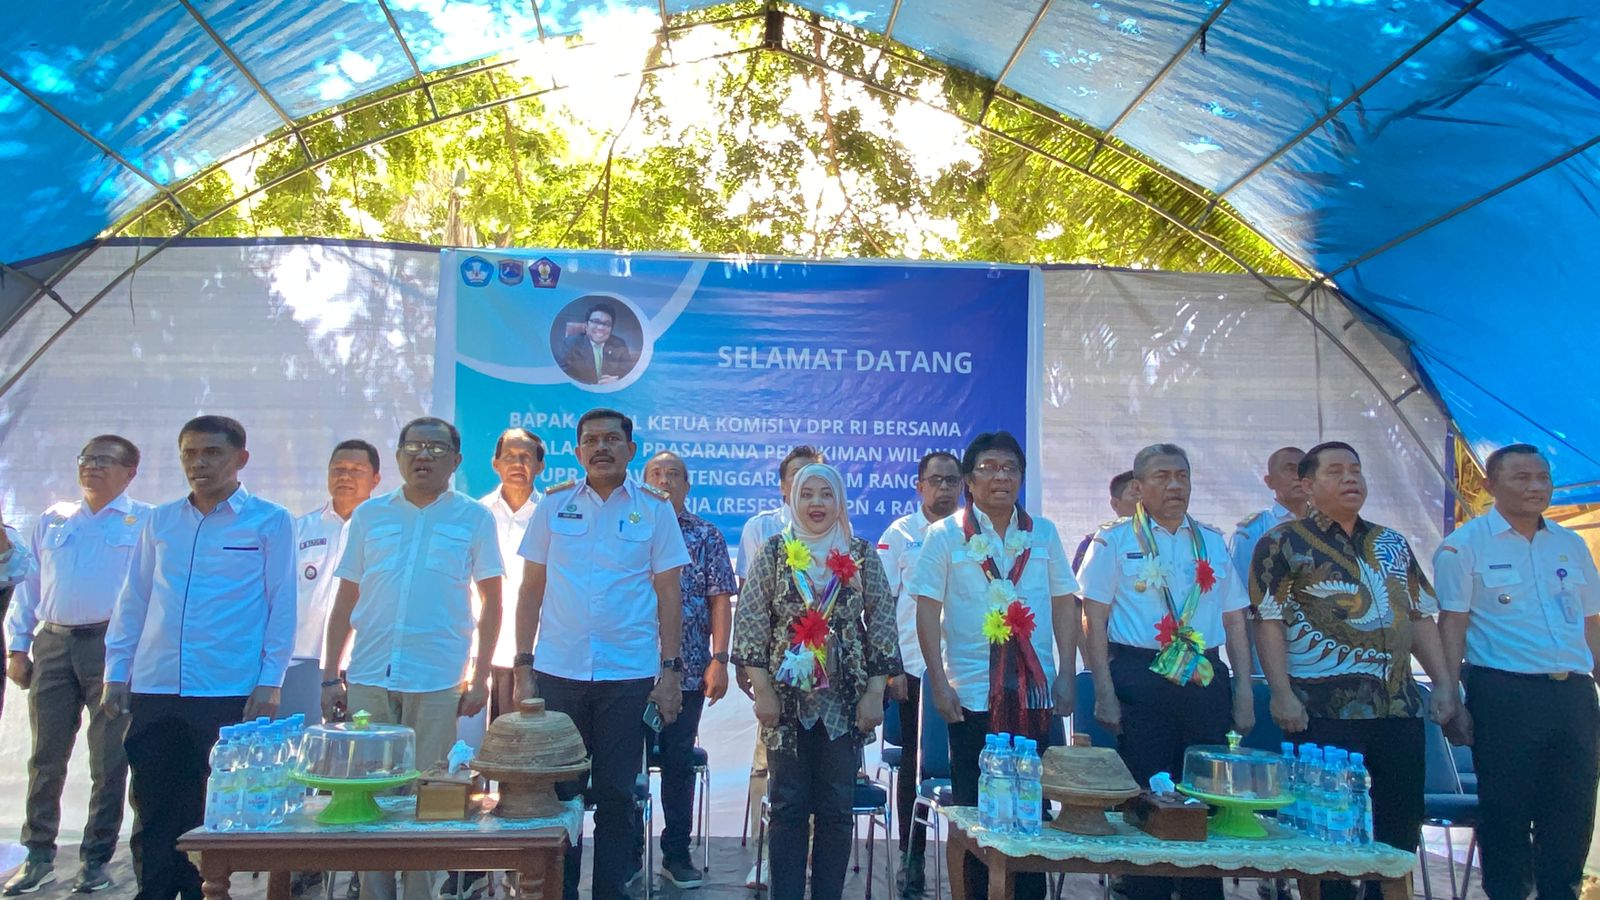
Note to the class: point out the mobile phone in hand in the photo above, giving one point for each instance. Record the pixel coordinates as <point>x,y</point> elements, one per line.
<point>652,717</point>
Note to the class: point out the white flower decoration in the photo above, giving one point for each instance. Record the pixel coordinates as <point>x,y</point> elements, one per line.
<point>1016,541</point>
<point>1151,574</point>
<point>1001,592</point>
<point>979,547</point>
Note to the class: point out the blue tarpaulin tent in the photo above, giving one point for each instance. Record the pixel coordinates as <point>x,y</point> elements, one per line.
<point>1435,159</point>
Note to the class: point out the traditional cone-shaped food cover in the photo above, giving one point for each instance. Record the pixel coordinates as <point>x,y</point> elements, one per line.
<point>530,739</point>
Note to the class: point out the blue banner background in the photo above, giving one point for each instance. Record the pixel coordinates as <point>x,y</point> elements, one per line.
<point>704,385</point>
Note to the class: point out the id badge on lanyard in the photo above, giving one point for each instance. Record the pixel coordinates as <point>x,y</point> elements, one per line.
<point>1567,599</point>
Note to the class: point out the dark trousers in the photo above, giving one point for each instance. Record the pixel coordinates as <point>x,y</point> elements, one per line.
<point>812,792</point>
<point>1160,720</point>
<point>1394,753</point>
<point>905,789</point>
<point>169,746</point>
<point>68,665</point>
<point>676,745</point>
<point>609,716</point>
<point>1536,749</point>
<point>966,744</point>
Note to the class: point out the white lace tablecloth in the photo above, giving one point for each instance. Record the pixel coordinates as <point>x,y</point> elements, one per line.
<point>1281,850</point>
<point>399,815</point>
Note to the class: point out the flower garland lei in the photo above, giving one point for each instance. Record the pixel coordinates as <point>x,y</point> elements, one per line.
<point>1008,616</point>
<point>1182,657</point>
<point>805,662</point>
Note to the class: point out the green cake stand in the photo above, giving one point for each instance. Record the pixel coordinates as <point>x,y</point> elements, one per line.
<point>352,803</point>
<point>1236,817</point>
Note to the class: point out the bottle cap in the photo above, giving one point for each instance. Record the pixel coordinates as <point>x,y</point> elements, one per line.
<point>1358,758</point>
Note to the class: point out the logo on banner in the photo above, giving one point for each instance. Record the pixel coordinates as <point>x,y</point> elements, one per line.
<point>476,271</point>
<point>545,273</point>
<point>511,272</point>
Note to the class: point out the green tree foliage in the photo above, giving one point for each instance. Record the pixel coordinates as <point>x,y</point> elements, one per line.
<point>809,149</point>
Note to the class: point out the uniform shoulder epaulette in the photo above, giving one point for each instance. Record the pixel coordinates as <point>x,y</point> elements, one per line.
<point>567,485</point>
<point>1109,522</point>
<point>1209,527</point>
<point>654,491</point>
<point>1251,519</point>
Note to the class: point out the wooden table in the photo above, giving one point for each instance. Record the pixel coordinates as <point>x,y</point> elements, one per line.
<point>1058,851</point>
<point>536,851</point>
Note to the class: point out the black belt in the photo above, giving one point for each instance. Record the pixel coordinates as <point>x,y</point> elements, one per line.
<point>1536,676</point>
<point>95,628</point>
<point>1146,654</point>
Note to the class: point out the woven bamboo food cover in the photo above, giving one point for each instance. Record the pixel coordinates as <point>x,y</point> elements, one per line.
<point>531,739</point>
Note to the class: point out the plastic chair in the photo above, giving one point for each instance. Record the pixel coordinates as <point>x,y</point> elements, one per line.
<point>1444,804</point>
<point>702,774</point>
<point>891,751</point>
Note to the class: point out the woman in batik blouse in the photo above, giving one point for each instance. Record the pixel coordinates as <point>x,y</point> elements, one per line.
<point>815,633</point>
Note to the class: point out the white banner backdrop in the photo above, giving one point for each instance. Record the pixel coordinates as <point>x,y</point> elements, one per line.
<point>311,342</point>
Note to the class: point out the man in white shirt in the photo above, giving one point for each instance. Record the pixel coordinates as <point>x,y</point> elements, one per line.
<point>1520,601</point>
<point>601,579</point>
<point>518,460</point>
<point>957,587</point>
<point>57,626</point>
<point>319,543</point>
<point>939,490</point>
<point>1155,585</point>
<point>200,637</point>
<point>409,563</point>
<point>758,529</point>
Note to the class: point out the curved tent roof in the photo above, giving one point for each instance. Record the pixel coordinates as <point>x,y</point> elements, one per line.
<point>1436,159</point>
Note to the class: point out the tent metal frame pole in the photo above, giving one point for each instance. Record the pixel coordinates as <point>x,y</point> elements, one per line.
<point>1446,216</point>
<point>894,17</point>
<point>538,20</point>
<point>1166,69</point>
<point>405,47</point>
<point>42,289</point>
<point>249,76</point>
<point>1038,18</point>
<point>165,191</point>
<point>1340,107</point>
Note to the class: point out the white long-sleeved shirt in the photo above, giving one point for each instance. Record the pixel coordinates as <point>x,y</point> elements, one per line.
<point>319,543</point>
<point>83,559</point>
<point>208,609</point>
<point>510,525</point>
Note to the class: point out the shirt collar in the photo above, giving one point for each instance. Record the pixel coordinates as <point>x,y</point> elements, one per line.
<point>1326,524</point>
<point>122,503</point>
<point>398,496</point>
<point>629,489</point>
<point>235,501</point>
<point>1281,512</point>
<point>498,500</point>
<point>1498,524</point>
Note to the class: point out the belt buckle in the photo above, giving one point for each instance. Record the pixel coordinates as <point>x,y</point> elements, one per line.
<point>1560,676</point>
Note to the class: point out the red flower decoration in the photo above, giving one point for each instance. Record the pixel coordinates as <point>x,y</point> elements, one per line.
<point>810,630</point>
<point>1019,619</point>
<point>1205,576</point>
<point>1166,630</point>
<point>842,566</point>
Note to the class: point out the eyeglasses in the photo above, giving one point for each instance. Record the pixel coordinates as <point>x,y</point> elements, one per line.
<point>98,461</point>
<point>432,448</point>
<point>939,481</point>
<point>995,470</point>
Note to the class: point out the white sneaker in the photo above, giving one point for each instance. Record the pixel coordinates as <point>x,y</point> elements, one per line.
<point>757,879</point>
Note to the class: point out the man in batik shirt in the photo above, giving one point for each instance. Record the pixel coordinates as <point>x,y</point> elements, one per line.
<point>1344,607</point>
<point>708,587</point>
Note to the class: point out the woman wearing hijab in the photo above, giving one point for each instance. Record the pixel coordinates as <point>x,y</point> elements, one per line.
<point>815,632</point>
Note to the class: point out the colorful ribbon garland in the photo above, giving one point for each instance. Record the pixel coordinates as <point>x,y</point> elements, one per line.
<point>805,663</point>
<point>1182,657</point>
<point>1019,693</point>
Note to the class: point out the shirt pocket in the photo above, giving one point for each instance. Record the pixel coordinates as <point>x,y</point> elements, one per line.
<point>634,541</point>
<point>56,535</point>
<point>1503,591</point>
<point>450,551</point>
<point>380,548</point>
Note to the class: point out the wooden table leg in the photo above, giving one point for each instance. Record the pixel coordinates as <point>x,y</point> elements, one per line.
<point>278,886</point>
<point>1310,888</point>
<point>956,845</point>
<point>1397,888</point>
<point>215,878</point>
<point>1000,876</point>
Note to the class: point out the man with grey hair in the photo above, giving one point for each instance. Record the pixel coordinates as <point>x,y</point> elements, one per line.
<point>1161,597</point>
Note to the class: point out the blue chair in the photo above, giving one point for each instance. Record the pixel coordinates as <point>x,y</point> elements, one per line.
<point>933,782</point>
<point>1266,735</point>
<point>1444,803</point>
<point>891,751</point>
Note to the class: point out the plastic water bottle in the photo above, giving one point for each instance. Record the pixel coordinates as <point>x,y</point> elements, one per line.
<point>278,741</point>
<point>222,793</point>
<point>1005,784</point>
<point>1030,787</point>
<point>1308,776</point>
<point>1361,800</point>
<point>294,791</point>
<point>258,788</point>
<point>1336,795</point>
<point>986,784</point>
<point>1287,815</point>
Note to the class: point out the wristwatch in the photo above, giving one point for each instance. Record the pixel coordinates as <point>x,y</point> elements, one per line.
<point>522,659</point>
<point>675,664</point>
<point>720,657</point>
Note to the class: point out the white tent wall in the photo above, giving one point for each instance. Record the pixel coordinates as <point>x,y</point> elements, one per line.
<point>307,343</point>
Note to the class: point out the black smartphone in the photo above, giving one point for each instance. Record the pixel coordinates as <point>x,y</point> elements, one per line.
<point>652,717</point>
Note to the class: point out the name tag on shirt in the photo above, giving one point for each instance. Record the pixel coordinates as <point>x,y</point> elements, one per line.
<point>1134,555</point>
<point>569,515</point>
<point>314,542</point>
<point>1500,566</point>
<point>912,545</point>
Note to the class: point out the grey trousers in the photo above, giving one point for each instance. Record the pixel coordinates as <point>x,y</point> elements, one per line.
<point>68,667</point>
